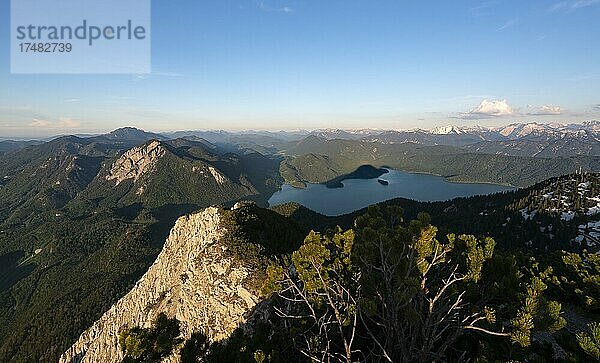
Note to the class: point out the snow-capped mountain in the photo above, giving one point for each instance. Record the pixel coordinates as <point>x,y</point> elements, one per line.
<point>518,139</point>
<point>446,130</point>
<point>352,134</point>
<point>516,131</point>
<point>520,130</point>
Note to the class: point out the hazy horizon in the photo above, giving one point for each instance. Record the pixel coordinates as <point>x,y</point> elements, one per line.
<point>300,131</point>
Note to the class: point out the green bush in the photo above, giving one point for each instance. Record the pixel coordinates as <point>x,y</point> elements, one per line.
<point>151,344</point>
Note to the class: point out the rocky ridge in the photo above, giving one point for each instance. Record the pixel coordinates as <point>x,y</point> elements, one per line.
<point>192,279</point>
<point>135,162</point>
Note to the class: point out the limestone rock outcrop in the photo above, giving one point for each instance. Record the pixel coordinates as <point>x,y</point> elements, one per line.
<point>135,162</point>
<point>192,279</point>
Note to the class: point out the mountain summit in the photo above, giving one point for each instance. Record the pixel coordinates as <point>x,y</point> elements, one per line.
<point>132,134</point>
<point>446,130</point>
<point>193,279</point>
<point>208,276</point>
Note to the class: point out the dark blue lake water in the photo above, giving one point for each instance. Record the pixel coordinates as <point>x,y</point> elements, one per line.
<point>360,193</point>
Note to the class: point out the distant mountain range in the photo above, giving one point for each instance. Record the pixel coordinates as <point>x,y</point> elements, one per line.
<point>515,130</point>
<point>588,132</point>
<point>11,145</point>
<point>508,132</point>
<point>517,154</point>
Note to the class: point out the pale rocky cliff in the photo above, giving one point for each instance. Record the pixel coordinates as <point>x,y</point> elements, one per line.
<point>192,279</point>
<point>135,162</point>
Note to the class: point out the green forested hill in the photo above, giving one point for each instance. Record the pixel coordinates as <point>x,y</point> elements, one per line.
<point>566,147</point>
<point>73,240</point>
<point>10,145</point>
<point>46,176</point>
<point>316,160</point>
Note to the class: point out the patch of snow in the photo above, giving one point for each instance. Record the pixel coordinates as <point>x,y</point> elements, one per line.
<point>567,216</point>
<point>527,215</point>
<point>593,210</point>
<point>584,186</point>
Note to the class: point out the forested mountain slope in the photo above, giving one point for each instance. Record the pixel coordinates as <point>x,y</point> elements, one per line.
<point>316,160</point>
<point>83,219</point>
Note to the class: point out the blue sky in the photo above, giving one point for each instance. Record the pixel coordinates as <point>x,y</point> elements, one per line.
<point>274,65</point>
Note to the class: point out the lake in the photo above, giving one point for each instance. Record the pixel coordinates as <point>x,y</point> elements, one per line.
<point>360,193</point>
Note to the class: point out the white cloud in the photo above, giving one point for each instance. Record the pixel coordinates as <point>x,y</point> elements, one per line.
<point>68,123</point>
<point>40,123</point>
<point>144,76</point>
<point>482,9</point>
<point>61,123</point>
<point>266,7</point>
<point>572,5</point>
<point>509,23</point>
<point>488,109</point>
<point>545,110</point>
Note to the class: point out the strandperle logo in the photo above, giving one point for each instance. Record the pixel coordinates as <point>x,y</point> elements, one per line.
<point>91,33</point>
<point>80,36</point>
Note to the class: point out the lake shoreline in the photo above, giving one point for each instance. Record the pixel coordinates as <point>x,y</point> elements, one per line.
<point>445,177</point>
<point>360,193</point>
<point>363,172</point>
<point>455,181</point>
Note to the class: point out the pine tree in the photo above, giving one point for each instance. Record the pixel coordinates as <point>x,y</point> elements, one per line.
<point>590,343</point>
